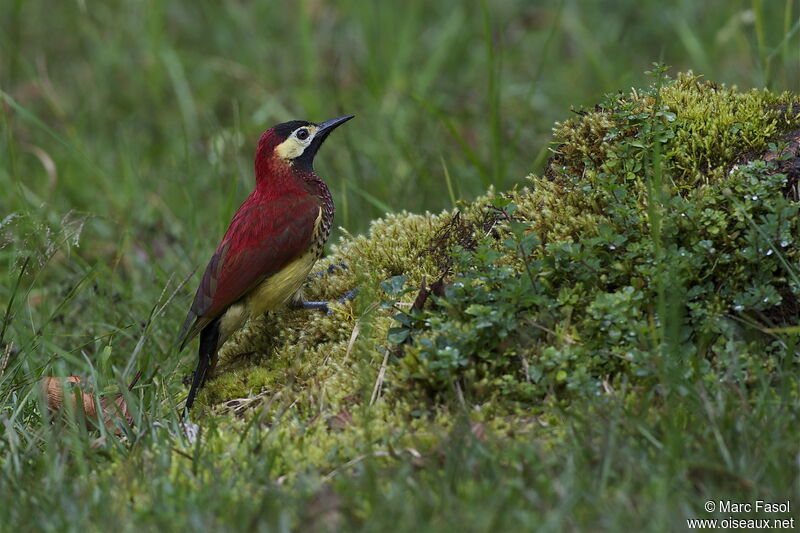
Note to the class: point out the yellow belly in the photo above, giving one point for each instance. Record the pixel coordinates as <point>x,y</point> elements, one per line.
<point>278,288</point>
<point>271,294</point>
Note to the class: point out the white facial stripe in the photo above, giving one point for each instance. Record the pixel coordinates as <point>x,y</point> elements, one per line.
<point>294,147</point>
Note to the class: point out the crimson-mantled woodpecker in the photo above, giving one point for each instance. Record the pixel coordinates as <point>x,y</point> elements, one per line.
<point>271,244</point>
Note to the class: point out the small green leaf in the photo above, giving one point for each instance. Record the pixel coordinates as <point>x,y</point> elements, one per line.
<point>501,201</point>
<point>398,335</point>
<point>394,285</point>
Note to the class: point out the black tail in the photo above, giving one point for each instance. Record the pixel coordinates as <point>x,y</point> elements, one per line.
<point>207,355</point>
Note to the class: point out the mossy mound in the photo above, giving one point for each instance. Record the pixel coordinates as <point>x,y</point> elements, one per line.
<point>665,226</point>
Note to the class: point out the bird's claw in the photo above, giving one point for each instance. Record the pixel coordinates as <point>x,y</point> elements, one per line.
<point>320,306</point>
<point>323,306</point>
<point>331,269</point>
<point>349,295</point>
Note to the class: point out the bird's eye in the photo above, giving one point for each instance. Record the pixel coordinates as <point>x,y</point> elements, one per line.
<point>302,134</point>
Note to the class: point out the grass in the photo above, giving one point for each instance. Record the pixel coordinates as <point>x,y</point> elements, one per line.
<point>129,131</point>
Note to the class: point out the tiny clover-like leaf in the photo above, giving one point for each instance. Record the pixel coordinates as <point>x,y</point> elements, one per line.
<point>528,243</point>
<point>394,285</point>
<point>403,318</point>
<point>398,335</point>
<point>668,115</point>
<point>518,228</point>
<point>657,70</point>
<point>501,201</point>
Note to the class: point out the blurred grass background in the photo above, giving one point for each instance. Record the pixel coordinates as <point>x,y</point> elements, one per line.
<point>130,127</point>
<point>160,104</point>
<point>129,130</point>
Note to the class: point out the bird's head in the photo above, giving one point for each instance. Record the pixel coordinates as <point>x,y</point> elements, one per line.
<point>293,145</point>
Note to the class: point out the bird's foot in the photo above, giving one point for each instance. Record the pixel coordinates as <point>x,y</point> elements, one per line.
<point>331,269</point>
<point>349,295</point>
<point>319,306</point>
<point>324,306</point>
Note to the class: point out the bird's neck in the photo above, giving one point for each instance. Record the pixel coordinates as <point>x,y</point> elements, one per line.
<point>280,179</point>
<point>317,187</point>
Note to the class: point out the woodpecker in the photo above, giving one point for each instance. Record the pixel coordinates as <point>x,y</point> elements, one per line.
<point>274,239</point>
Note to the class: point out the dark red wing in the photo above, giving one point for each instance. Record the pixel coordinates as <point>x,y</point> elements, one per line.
<point>262,239</point>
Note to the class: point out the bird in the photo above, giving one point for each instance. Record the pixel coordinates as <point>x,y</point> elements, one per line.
<point>270,246</point>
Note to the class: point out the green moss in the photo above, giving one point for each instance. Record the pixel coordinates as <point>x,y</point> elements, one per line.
<point>553,290</point>
<point>709,128</point>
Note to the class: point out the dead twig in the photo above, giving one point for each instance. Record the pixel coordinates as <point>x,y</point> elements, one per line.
<point>376,391</point>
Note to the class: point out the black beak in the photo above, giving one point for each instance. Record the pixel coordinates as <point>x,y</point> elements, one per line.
<point>305,161</point>
<point>328,126</point>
